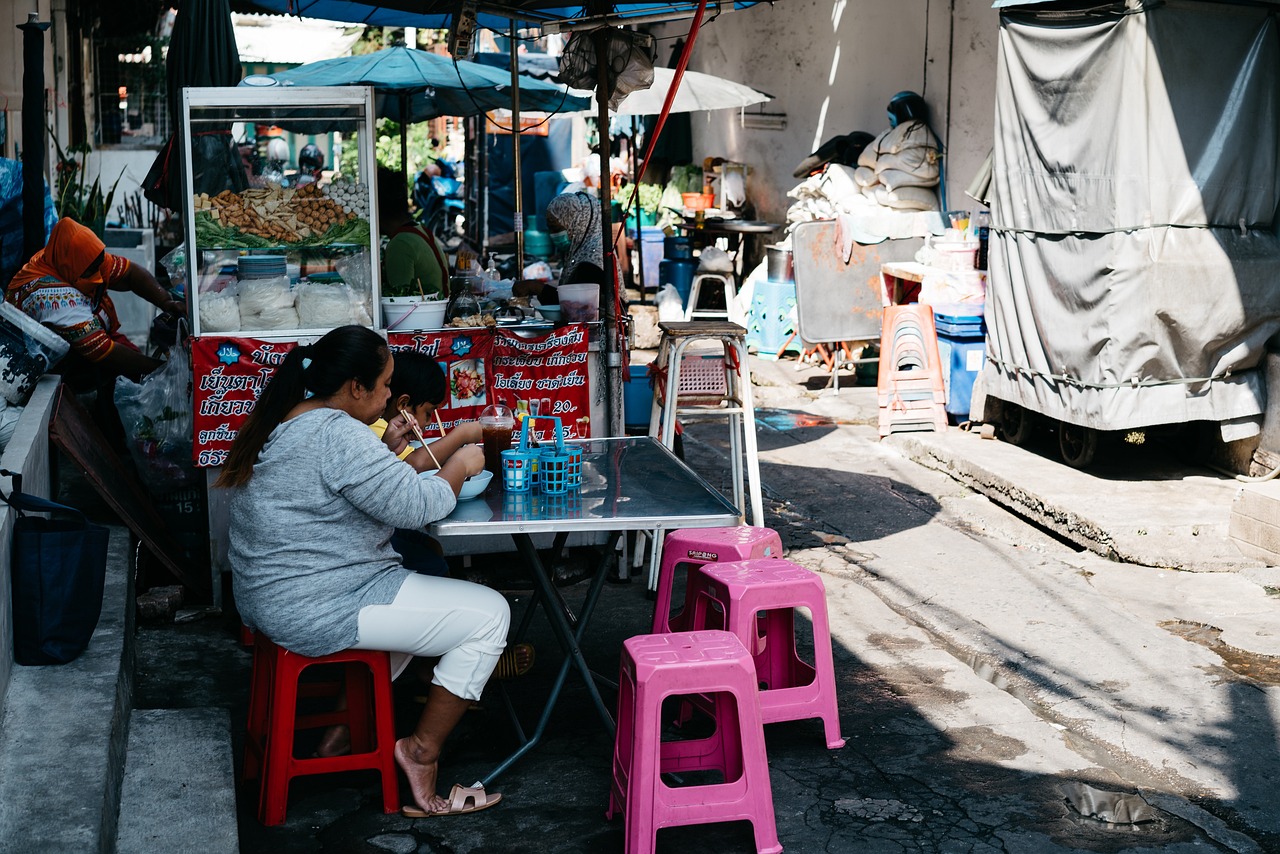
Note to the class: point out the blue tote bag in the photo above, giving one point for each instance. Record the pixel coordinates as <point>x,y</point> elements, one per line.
<point>58,569</point>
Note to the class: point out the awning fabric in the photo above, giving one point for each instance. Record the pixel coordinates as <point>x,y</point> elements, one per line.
<point>1135,265</point>
<point>437,14</point>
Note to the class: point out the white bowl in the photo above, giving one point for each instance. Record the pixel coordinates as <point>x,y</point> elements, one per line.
<point>475,485</point>
<point>472,487</point>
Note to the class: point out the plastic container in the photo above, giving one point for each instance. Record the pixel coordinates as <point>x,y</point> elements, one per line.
<point>678,272</point>
<point>652,245</point>
<point>962,333</point>
<point>697,201</point>
<point>27,351</point>
<point>537,244</point>
<point>781,267</point>
<point>411,314</point>
<point>677,247</point>
<point>580,303</point>
<point>637,397</point>
<point>955,256</point>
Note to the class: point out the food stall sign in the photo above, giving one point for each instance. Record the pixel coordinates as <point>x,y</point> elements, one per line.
<point>539,375</point>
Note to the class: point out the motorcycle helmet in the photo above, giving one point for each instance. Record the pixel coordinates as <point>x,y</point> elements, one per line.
<point>278,150</point>
<point>906,106</point>
<point>311,158</point>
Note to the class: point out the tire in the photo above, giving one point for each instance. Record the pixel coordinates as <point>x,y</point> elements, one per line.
<point>1017,424</point>
<point>1077,445</point>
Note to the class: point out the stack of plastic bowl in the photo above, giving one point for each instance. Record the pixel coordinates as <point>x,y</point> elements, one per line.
<point>263,266</point>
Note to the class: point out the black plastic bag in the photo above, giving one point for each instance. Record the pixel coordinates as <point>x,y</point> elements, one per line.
<point>58,570</point>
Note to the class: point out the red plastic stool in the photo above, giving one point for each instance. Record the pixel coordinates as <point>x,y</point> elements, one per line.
<point>713,664</point>
<point>274,718</point>
<point>698,546</point>
<point>758,599</point>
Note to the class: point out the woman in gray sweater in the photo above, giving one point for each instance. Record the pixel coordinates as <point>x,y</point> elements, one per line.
<point>317,498</point>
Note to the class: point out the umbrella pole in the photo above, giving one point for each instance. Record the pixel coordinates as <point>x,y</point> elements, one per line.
<point>609,292</point>
<point>404,136</point>
<point>515,151</point>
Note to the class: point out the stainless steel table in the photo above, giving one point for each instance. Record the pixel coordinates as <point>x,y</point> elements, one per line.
<point>628,484</point>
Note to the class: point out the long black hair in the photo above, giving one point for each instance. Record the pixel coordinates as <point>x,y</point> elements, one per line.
<point>321,370</point>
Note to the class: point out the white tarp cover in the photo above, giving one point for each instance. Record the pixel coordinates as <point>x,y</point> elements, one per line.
<point>1135,267</point>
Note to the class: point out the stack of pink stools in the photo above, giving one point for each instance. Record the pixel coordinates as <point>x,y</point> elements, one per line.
<point>731,653</point>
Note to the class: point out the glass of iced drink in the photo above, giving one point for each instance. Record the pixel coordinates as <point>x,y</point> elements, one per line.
<point>496,424</point>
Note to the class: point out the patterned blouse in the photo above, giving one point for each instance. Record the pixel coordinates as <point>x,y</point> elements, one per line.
<point>92,332</point>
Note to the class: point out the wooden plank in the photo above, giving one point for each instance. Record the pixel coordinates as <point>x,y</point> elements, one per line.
<point>75,434</point>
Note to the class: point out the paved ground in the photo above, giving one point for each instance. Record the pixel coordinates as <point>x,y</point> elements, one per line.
<point>1002,689</point>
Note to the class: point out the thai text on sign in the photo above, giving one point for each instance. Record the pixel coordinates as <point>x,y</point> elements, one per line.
<point>542,376</point>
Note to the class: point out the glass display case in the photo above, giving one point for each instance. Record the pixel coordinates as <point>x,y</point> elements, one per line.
<point>281,214</point>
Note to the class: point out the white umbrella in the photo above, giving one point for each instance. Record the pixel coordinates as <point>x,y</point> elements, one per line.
<point>697,92</point>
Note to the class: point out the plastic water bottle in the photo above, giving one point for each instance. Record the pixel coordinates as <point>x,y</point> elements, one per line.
<point>984,236</point>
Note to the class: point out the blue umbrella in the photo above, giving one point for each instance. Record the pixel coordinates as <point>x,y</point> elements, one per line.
<point>423,85</point>
<point>438,14</point>
<point>415,85</point>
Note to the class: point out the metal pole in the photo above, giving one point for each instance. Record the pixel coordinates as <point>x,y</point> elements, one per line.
<point>404,137</point>
<point>635,184</point>
<point>609,289</point>
<point>33,143</point>
<point>518,219</point>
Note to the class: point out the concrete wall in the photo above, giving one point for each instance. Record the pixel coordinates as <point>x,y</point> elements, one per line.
<point>28,454</point>
<point>832,68</point>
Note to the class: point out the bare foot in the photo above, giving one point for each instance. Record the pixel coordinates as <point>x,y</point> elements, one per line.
<point>420,768</point>
<point>336,741</point>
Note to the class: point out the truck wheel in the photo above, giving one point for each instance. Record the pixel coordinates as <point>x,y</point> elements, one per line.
<point>1078,445</point>
<point>1016,424</point>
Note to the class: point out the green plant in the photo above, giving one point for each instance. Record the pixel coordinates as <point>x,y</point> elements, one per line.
<point>76,199</point>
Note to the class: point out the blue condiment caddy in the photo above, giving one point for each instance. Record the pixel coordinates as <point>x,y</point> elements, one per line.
<point>554,468</point>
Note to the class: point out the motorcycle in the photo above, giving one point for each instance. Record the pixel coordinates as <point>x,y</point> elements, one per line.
<point>440,202</point>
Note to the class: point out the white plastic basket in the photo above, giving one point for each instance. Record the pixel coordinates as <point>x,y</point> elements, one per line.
<point>27,351</point>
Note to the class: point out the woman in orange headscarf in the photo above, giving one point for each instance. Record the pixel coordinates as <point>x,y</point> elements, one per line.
<point>64,286</point>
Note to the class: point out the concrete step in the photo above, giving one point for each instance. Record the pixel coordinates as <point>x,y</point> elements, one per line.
<point>179,783</point>
<point>63,731</point>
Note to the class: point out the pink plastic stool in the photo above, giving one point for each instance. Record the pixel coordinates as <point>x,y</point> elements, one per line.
<point>698,546</point>
<point>273,719</point>
<point>790,689</point>
<point>712,663</point>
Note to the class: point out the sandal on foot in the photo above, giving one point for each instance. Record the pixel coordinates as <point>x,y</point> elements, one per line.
<point>516,661</point>
<point>462,800</point>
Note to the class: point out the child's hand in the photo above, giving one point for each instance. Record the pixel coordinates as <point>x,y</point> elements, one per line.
<point>396,437</point>
<point>471,457</point>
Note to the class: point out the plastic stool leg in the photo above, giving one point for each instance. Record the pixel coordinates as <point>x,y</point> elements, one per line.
<point>279,750</point>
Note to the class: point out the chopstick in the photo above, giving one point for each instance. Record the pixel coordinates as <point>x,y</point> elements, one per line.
<point>439,423</point>
<point>417,431</point>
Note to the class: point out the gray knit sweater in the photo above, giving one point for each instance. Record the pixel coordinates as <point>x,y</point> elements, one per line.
<point>310,531</point>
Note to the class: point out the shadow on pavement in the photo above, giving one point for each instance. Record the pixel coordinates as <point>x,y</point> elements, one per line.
<point>899,784</point>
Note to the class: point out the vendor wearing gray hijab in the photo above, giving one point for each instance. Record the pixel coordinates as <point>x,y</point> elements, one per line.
<point>574,222</point>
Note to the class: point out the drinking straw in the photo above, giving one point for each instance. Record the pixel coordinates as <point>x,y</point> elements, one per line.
<point>417,431</point>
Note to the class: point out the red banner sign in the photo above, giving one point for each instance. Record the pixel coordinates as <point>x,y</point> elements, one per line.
<point>230,373</point>
<point>542,376</point>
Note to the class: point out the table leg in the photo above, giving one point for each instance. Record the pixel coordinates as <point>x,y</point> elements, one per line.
<point>570,641</point>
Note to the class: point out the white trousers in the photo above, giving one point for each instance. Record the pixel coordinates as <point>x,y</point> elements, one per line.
<point>464,624</point>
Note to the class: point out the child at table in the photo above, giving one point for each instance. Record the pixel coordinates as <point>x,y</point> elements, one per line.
<point>419,387</point>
